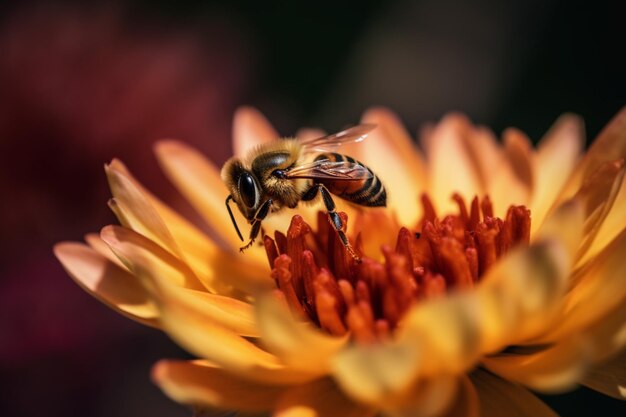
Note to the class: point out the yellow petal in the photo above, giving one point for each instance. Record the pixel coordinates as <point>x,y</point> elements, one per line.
<point>520,294</point>
<point>251,129</point>
<point>564,224</point>
<point>610,145</point>
<point>296,343</point>
<point>597,195</point>
<point>137,251</point>
<point>200,182</point>
<point>611,222</point>
<point>553,369</point>
<point>556,157</point>
<point>609,378</point>
<point>502,398</point>
<point>377,374</point>
<point>517,148</point>
<point>106,281</point>
<point>391,153</point>
<point>201,384</point>
<point>319,398</point>
<point>599,287</point>
<point>466,402</point>
<point>430,397</point>
<point>608,334</point>
<point>450,166</point>
<point>165,278</point>
<point>96,243</point>
<point>219,271</point>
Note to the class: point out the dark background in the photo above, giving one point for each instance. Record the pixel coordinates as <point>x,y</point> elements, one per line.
<point>80,84</point>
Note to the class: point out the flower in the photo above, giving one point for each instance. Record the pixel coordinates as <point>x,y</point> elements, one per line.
<point>461,308</point>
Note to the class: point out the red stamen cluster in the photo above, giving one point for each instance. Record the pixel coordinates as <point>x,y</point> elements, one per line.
<point>320,280</point>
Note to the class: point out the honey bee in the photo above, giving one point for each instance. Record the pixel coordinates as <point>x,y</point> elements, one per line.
<point>285,172</point>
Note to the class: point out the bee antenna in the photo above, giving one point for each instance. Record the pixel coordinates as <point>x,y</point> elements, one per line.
<point>232,218</point>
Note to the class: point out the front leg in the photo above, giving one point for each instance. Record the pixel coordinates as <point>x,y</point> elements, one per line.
<point>260,214</point>
<point>333,217</point>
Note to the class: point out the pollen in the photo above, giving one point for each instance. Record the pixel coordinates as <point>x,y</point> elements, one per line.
<point>322,283</point>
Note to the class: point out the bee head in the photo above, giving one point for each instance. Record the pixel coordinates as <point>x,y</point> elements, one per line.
<point>244,188</point>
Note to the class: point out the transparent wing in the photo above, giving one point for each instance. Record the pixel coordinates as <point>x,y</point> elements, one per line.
<point>325,169</point>
<point>328,143</point>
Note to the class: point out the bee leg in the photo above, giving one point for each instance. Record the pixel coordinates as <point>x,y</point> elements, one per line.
<point>333,217</point>
<point>260,214</point>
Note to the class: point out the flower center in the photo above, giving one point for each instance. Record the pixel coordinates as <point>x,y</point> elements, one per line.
<point>320,281</point>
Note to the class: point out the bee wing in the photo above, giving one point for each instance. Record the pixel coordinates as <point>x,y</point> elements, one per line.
<point>325,169</point>
<point>325,143</point>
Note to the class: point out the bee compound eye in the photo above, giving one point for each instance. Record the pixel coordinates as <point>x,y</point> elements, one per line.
<point>248,190</point>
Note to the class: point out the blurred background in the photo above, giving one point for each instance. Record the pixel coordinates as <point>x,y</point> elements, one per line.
<point>81,84</point>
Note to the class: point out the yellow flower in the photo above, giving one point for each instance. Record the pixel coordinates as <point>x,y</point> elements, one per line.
<point>461,309</point>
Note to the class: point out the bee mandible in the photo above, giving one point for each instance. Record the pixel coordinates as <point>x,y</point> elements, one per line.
<point>283,173</point>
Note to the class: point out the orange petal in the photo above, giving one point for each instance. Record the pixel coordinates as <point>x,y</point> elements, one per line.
<point>556,157</point>
<point>391,153</point>
<point>251,129</point>
<point>200,182</point>
<point>201,384</point>
<point>553,369</point>
<point>498,397</point>
<point>296,343</point>
<point>106,281</point>
<point>319,398</point>
<point>609,378</point>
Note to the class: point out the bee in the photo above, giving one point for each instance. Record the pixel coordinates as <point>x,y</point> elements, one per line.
<point>284,173</point>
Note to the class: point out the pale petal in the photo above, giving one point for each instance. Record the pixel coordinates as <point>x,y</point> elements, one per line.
<point>391,153</point>
<point>251,129</point>
<point>200,182</point>
<point>502,398</point>
<point>319,398</point>
<point>202,384</point>
<point>511,177</point>
<point>450,167</point>
<point>486,154</point>
<point>556,158</point>
<point>552,369</point>
<point>610,145</point>
<point>307,133</point>
<point>106,281</point>
<point>296,343</point>
<point>518,149</point>
<point>219,271</point>
<point>609,378</point>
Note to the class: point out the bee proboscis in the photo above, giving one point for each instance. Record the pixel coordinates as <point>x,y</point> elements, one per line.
<point>285,172</point>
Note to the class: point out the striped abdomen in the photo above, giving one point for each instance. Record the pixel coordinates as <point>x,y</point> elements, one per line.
<point>367,192</point>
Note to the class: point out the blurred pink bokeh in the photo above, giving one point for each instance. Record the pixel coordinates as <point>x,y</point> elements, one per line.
<point>79,87</point>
